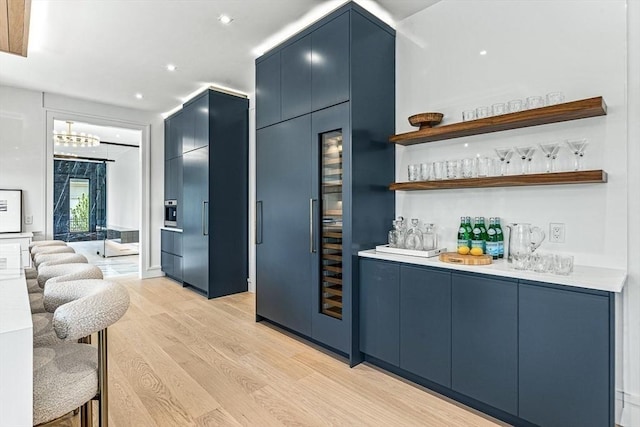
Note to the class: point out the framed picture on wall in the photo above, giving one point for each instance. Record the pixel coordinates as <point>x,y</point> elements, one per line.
<point>10,211</point>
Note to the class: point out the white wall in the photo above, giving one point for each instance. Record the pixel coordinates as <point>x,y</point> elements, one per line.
<point>532,48</point>
<point>123,198</point>
<point>26,122</point>
<point>22,154</point>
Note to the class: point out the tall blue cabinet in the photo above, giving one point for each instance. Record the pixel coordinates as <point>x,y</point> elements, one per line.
<point>324,110</point>
<point>213,185</point>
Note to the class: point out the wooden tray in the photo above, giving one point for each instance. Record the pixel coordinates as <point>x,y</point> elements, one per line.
<point>456,258</point>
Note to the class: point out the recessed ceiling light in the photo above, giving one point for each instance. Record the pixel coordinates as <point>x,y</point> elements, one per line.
<point>171,67</point>
<point>225,19</point>
<point>118,136</point>
<point>483,52</point>
<point>139,96</point>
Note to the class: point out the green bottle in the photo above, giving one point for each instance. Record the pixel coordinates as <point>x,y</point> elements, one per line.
<point>464,237</point>
<point>483,227</point>
<point>477,236</point>
<point>493,246</point>
<point>467,224</point>
<point>500,237</point>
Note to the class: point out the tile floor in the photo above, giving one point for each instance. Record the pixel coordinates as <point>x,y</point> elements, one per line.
<point>110,266</point>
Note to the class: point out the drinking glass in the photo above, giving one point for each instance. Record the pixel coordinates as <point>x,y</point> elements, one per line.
<point>554,98</point>
<point>504,154</point>
<point>438,170</point>
<point>426,171</point>
<point>534,102</point>
<point>468,115</point>
<point>521,260</point>
<point>498,109</point>
<point>484,166</point>
<point>577,147</point>
<point>550,151</point>
<point>453,167</point>
<point>469,168</point>
<point>514,105</point>
<point>563,264</point>
<point>482,112</point>
<point>414,172</point>
<point>542,263</point>
<point>526,154</point>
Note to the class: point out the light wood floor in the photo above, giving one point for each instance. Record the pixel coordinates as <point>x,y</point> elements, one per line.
<point>177,359</point>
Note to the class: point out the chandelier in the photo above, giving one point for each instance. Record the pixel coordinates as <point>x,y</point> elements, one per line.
<point>73,139</point>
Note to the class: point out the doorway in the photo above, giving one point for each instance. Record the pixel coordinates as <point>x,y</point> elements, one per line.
<point>97,204</point>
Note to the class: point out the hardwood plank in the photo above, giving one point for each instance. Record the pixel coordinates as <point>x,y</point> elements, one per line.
<point>581,109</point>
<point>18,13</point>
<point>554,178</point>
<point>4,26</point>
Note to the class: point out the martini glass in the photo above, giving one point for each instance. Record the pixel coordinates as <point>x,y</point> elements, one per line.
<point>504,154</point>
<point>550,151</point>
<point>526,154</point>
<point>577,147</point>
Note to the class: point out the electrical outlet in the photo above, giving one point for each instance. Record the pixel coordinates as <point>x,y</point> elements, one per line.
<point>556,232</point>
<point>28,219</point>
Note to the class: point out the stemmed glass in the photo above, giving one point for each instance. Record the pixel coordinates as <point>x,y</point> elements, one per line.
<point>504,154</point>
<point>550,150</point>
<point>577,146</point>
<point>526,154</point>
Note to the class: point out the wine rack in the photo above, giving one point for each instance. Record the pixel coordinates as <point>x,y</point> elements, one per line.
<point>331,268</point>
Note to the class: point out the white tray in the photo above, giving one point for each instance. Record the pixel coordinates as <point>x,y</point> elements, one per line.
<point>410,252</point>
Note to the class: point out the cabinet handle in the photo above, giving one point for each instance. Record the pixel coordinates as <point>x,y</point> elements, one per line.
<point>312,243</point>
<point>258,228</point>
<point>205,229</point>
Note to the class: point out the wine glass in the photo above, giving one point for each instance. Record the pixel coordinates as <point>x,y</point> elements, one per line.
<point>577,147</point>
<point>550,151</point>
<point>504,154</point>
<point>526,154</point>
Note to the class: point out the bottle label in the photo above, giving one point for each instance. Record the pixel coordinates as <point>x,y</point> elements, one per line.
<point>493,248</point>
<point>462,230</point>
<point>477,244</point>
<point>501,249</point>
<point>463,242</point>
<point>491,231</point>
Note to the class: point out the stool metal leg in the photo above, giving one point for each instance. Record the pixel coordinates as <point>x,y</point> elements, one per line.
<point>86,414</point>
<point>103,383</point>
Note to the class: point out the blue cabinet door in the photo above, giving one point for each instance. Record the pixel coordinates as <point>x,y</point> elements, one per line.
<point>296,78</point>
<point>268,92</point>
<point>425,323</point>
<point>330,69</point>
<point>195,244</point>
<point>175,136</point>
<point>380,310</point>
<point>187,128</point>
<point>566,357</point>
<point>484,347</point>
<point>283,193</point>
<point>199,107</point>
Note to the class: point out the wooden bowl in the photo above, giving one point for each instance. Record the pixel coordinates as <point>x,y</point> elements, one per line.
<point>425,120</point>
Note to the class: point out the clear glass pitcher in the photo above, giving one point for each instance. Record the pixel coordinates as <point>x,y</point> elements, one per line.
<point>523,239</point>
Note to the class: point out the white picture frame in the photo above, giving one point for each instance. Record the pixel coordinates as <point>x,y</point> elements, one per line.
<point>10,211</point>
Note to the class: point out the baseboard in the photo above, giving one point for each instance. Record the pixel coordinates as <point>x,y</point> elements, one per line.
<point>627,409</point>
<point>151,272</point>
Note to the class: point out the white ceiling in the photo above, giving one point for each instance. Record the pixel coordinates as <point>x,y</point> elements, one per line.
<point>109,50</point>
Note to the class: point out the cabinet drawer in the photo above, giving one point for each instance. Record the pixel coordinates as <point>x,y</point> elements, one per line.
<point>171,242</point>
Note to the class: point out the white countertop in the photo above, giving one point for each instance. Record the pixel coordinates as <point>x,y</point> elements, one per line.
<point>177,230</point>
<point>16,341</point>
<point>602,279</point>
<point>16,235</point>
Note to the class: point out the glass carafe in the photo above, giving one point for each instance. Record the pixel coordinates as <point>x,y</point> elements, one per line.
<point>429,237</point>
<point>414,236</point>
<point>401,233</point>
<point>393,235</point>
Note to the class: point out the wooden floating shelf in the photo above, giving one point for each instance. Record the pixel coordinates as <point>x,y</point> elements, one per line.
<point>582,109</point>
<point>579,177</point>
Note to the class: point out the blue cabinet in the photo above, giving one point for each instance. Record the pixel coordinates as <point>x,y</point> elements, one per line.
<point>171,254</point>
<point>296,60</point>
<point>425,323</point>
<point>318,204</point>
<point>380,310</point>
<point>484,339</point>
<point>268,92</point>
<point>331,63</point>
<point>566,350</point>
<point>283,252</point>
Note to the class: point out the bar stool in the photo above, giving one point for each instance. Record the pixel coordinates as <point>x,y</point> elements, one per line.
<point>60,273</point>
<point>31,273</point>
<point>51,250</point>
<point>69,375</point>
<point>43,260</point>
